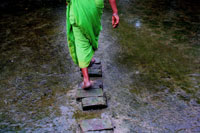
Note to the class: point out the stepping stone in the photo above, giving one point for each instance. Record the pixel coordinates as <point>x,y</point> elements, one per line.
<point>95,66</point>
<point>97,61</point>
<point>97,85</point>
<point>104,131</point>
<point>94,103</point>
<point>95,125</point>
<point>95,70</point>
<point>81,93</point>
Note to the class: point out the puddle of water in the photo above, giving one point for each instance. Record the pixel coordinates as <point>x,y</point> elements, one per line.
<point>138,24</point>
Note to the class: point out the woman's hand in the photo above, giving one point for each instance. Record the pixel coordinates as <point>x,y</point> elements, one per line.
<point>115,17</point>
<point>115,20</point>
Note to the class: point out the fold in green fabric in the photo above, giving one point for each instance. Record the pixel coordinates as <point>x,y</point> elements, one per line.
<point>88,20</point>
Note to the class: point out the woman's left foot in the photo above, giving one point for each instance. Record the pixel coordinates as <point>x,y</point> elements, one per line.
<point>87,85</point>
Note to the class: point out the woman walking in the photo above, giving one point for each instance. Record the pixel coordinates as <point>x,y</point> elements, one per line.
<point>83,29</point>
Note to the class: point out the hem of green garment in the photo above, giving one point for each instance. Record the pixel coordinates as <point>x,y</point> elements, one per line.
<point>86,64</point>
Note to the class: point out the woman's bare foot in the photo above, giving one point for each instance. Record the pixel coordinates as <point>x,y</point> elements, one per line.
<point>92,61</point>
<point>87,85</point>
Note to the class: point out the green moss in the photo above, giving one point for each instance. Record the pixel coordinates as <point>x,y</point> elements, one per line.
<point>80,115</point>
<point>156,56</point>
<point>135,91</point>
<point>198,100</point>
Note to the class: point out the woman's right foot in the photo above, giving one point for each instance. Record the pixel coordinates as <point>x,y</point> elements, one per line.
<point>92,61</point>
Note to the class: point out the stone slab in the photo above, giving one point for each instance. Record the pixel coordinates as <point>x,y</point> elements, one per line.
<point>94,103</point>
<point>95,66</point>
<point>81,93</point>
<point>103,131</point>
<point>97,85</point>
<point>94,72</point>
<point>97,61</point>
<point>96,125</point>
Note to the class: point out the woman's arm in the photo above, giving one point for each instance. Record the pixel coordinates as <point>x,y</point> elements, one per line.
<point>115,17</point>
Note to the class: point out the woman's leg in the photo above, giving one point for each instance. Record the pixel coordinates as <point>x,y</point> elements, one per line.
<point>84,53</point>
<point>86,79</point>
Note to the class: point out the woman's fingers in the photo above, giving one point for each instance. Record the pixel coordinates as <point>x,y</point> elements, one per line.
<point>115,21</point>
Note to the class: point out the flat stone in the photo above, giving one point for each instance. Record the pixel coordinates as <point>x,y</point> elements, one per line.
<point>94,103</point>
<point>94,72</point>
<point>97,85</point>
<point>96,125</point>
<point>95,66</point>
<point>103,131</point>
<point>81,93</point>
<point>97,61</point>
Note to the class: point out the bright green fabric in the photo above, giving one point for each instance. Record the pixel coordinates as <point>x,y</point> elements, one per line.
<point>84,50</point>
<point>99,3</point>
<point>83,28</point>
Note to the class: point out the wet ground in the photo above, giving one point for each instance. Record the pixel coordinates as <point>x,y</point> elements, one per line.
<point>151,69</point>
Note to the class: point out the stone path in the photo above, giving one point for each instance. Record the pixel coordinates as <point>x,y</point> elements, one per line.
<point>94,98</point>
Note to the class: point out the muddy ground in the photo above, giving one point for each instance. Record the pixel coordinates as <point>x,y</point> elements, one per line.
<point>151,69</point>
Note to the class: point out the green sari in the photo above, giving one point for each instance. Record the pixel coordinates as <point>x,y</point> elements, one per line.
<point>83,29</point>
